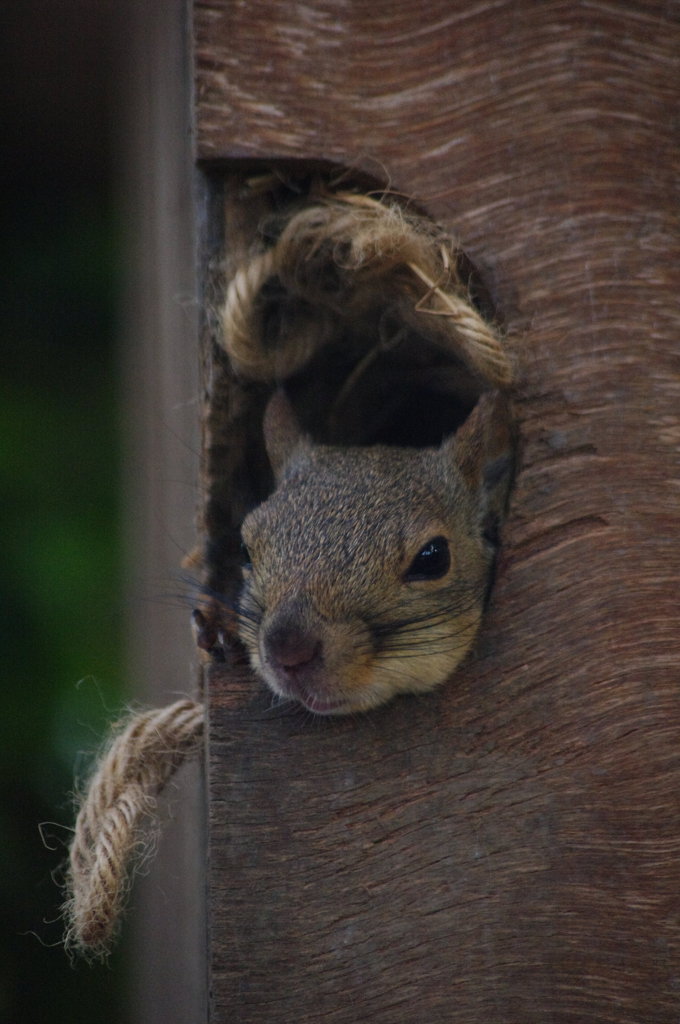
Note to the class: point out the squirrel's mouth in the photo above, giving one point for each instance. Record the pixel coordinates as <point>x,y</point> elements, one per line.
<point>294,663</point>
<point>322,706</point>
<point>307,689</point>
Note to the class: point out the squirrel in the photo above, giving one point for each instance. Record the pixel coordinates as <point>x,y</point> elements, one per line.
<point>368,568</point>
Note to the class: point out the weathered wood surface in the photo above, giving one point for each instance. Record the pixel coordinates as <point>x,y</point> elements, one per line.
<point>162,453</point>
<point>507,849</point>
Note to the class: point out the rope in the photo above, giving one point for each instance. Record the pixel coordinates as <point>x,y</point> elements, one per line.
<point>338,257</point>
<point>122,791</point>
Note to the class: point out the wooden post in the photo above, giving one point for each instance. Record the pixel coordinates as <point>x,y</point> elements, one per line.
<point>506,849</point>
<point>159,196</point>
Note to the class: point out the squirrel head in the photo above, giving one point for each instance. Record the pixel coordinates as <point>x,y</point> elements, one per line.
<point>368,568</point>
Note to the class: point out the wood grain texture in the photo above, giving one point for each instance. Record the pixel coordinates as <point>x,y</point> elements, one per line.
<point>507,849</point>
<point>167,951</point>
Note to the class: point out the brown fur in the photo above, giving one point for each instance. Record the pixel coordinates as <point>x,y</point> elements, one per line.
<point>326,612</point>
<point>506,851</point>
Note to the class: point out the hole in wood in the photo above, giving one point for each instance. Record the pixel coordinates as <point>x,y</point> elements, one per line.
<point>376,327</point>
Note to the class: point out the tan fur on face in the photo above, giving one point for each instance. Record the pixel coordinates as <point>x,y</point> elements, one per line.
<point>330,552</point>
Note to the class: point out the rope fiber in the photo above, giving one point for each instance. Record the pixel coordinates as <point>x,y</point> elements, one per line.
<point>109,830</point>
<point>338,262</point>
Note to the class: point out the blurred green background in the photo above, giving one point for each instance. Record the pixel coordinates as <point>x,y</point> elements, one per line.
<point>61,586</point>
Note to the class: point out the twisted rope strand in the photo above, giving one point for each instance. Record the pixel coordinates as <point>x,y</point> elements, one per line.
<point>366,240</point>
<point>122,791</point>
<point>239,324</point>
<point>479,342</point>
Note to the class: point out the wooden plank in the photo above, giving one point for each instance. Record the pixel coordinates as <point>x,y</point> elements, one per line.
<point>506,848</point>
<point>162,442</point>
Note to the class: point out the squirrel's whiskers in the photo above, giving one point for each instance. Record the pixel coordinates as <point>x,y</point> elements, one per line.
<point>368,568</point>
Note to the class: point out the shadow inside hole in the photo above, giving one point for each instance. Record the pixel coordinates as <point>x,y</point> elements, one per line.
<point>377,371</point>
<point>371,378</point>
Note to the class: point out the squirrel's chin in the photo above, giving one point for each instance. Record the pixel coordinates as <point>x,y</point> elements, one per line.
<point>335,703</point>
<point>321,702</point>
<point>319,687</point>
<point>313,698</point>
<point>318,694</point>
<point>322,706</point>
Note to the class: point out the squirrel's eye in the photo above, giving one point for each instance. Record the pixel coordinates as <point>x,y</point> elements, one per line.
<point>432,562</point>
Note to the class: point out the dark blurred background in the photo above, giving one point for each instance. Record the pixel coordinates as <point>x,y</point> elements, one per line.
<point>60,466</point>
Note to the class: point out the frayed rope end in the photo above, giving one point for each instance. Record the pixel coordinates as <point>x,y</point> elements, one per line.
<point>114,828</point>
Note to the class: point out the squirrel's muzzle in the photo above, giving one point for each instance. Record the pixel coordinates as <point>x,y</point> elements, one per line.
<point>292,653</point>
<point>291,650</point>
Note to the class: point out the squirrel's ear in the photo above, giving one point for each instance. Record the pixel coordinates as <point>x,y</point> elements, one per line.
<point>283,435</point>
<point>483,449</point>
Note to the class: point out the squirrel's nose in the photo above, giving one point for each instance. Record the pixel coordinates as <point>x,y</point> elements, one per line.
<point>291,649</point>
